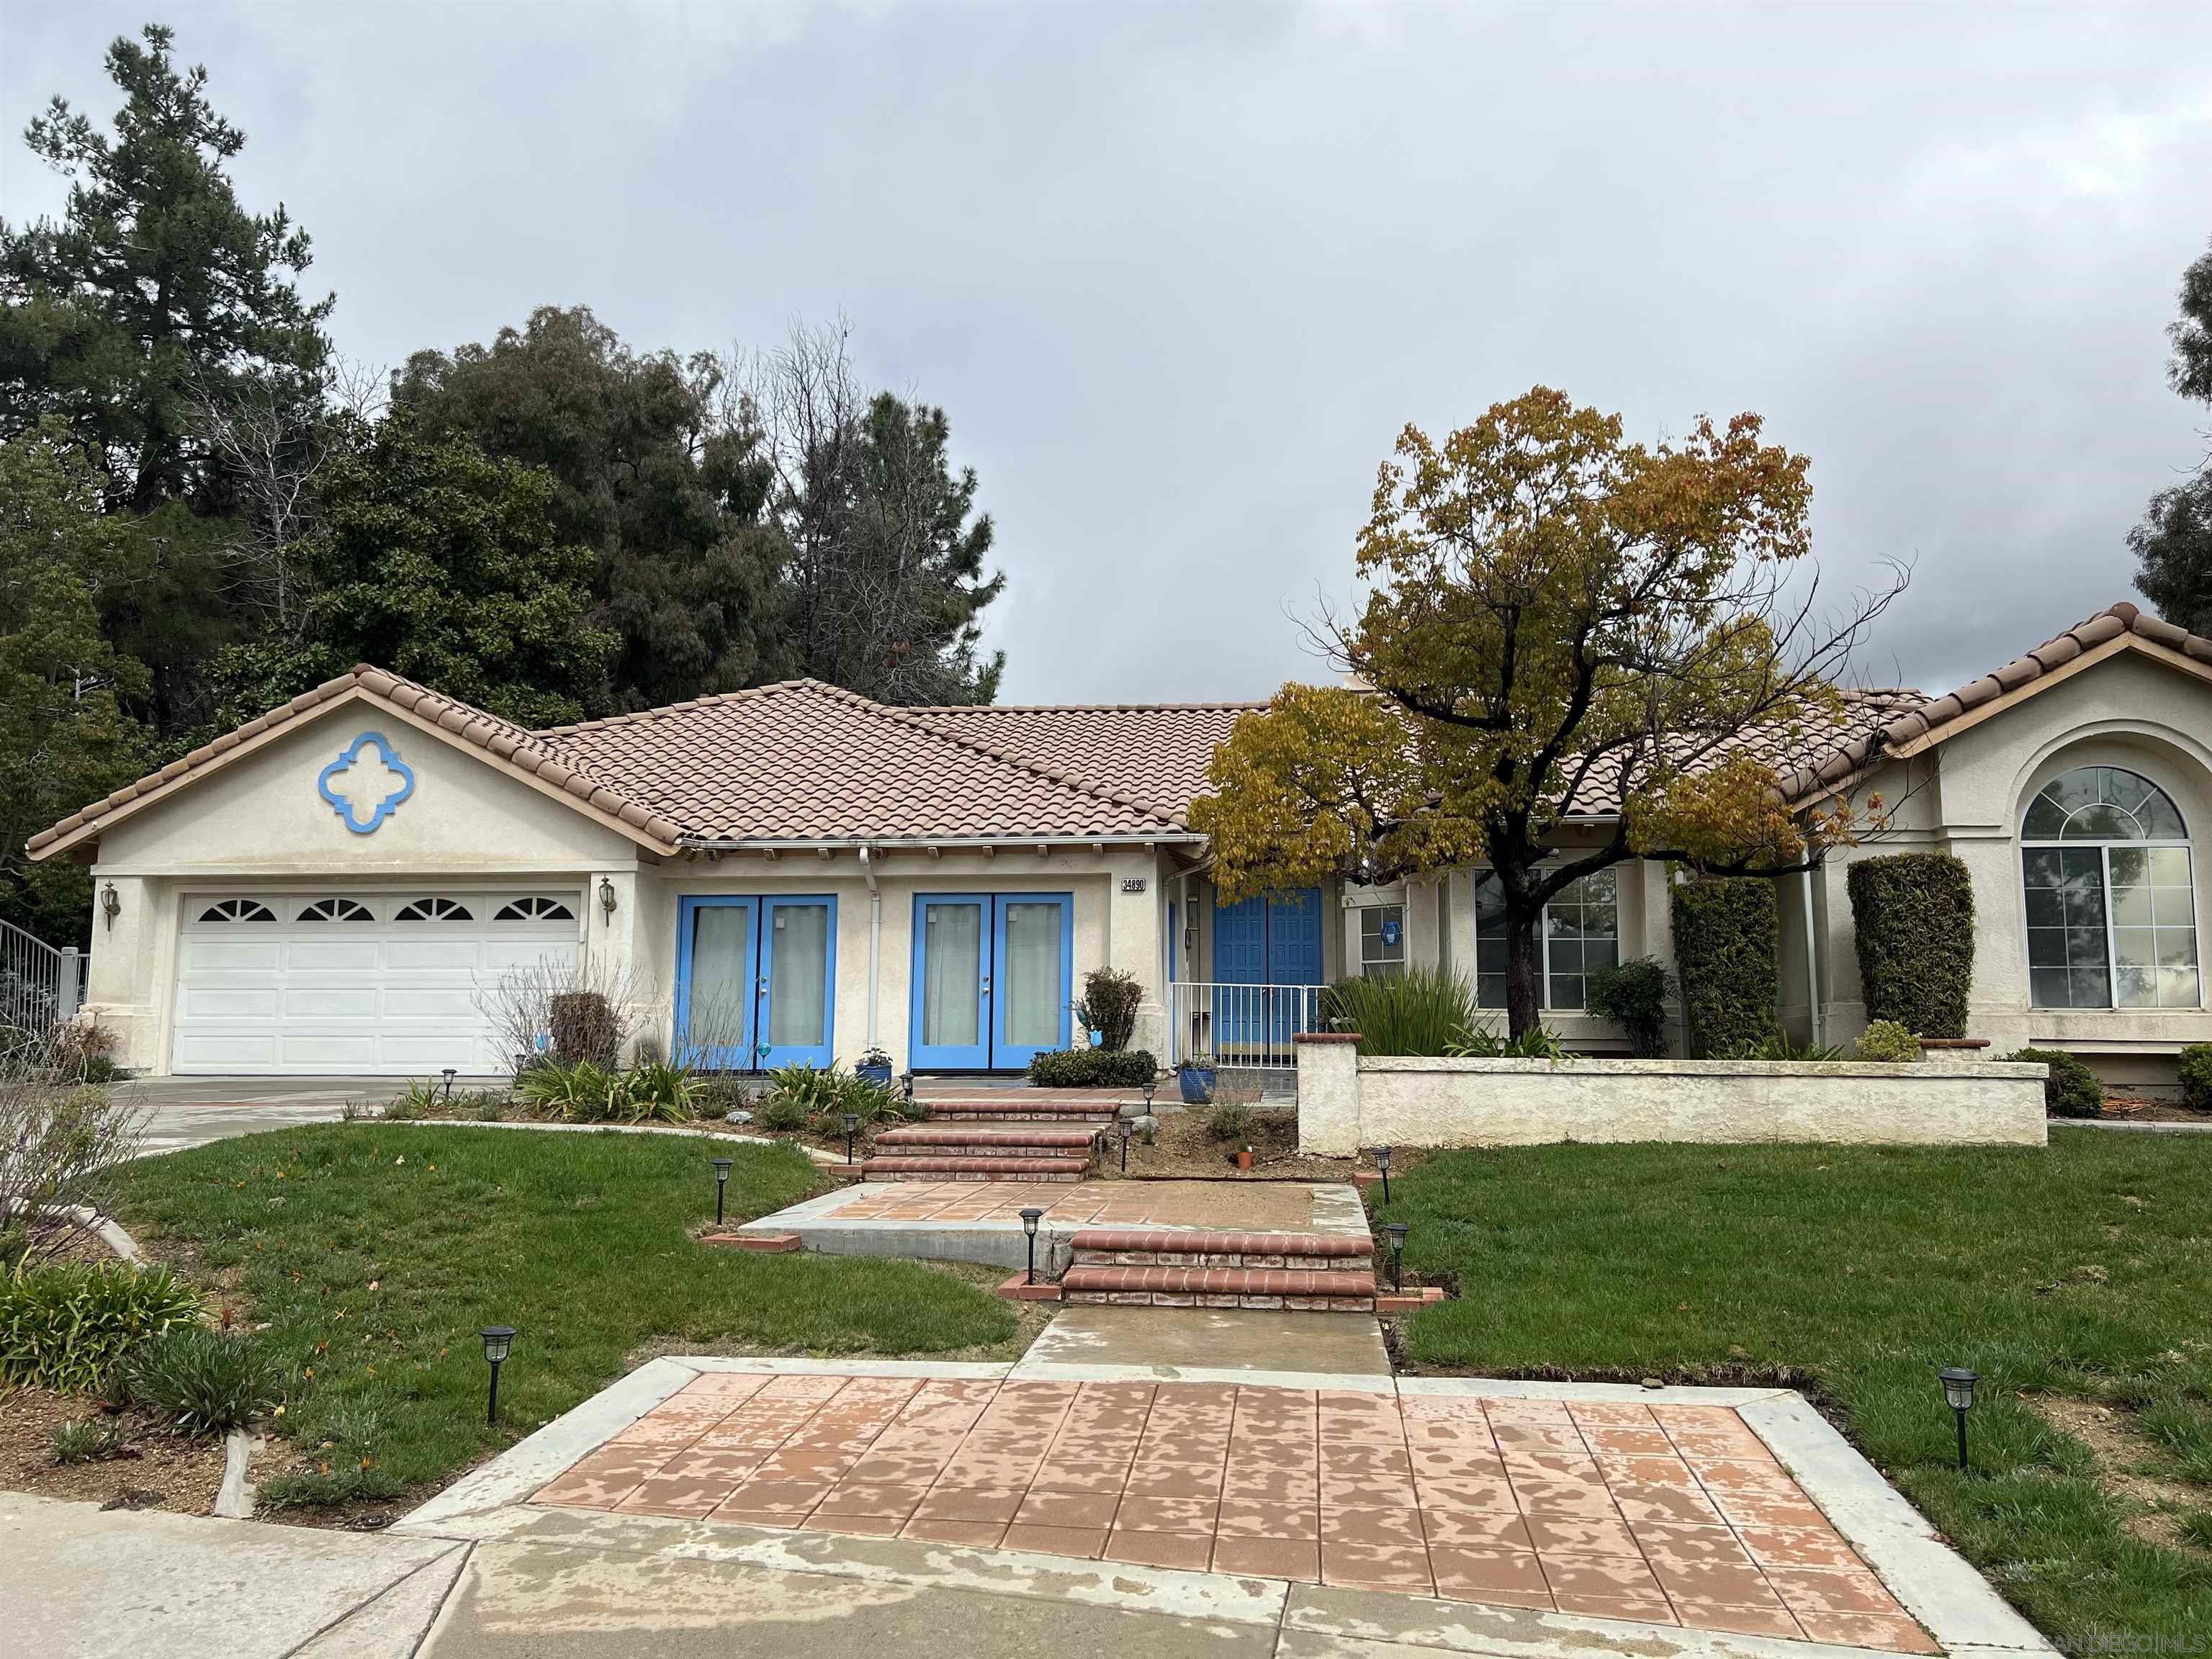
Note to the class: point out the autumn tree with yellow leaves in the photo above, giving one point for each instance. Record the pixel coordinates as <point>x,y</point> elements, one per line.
<point>1556,621</point>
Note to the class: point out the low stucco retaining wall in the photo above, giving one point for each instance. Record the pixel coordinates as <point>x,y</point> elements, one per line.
<point>1346,1101</point>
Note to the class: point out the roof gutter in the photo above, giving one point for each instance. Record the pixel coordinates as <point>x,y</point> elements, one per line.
<point>883,845</point>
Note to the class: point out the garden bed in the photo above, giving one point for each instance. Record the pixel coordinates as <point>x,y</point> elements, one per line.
<point>155,1469</point>
<point>1185,1148</point>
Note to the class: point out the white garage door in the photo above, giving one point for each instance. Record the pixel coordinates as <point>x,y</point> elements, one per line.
<point>343,984</point>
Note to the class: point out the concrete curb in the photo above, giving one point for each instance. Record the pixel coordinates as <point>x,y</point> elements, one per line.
<point>1935,1584</point>
<point>233,1499</point>
<point>2127,1126</point>
<point>105,1228</point>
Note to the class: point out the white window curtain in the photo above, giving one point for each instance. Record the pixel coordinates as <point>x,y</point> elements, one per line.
<point>721,977</point>
<point>799,963</point>
<point>952,968</point>
<point>2107,882</point>
<point>1029,980</point>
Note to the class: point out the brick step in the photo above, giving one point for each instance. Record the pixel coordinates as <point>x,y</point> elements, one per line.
<point>1220,1287</point>
<point>976,1169</point>
<point>991,1138</point>
<point>1019,1110</point>
<point>1159,1247</point>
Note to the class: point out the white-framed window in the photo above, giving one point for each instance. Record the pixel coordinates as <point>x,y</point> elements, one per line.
<point>1580,933</point>
<point>238,909</point>
<point>434,909</point>
<point>536,908</point>
<point>2109,894</point>
<point>335,909</point>
<point>1382,940</point>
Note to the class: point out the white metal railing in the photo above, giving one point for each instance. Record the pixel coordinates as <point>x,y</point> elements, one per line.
<point>1241,1025</point>
<point>39,984</point>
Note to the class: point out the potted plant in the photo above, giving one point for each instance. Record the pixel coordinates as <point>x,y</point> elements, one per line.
<point>1244,1158</point>
<point>875,1065</point>
<point>1196,1081</point>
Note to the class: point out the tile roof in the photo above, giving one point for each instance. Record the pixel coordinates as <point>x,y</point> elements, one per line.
<point>1931,720</point>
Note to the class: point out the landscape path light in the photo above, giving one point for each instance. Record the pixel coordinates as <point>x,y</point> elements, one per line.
<point>1396,1231</point>
<point>1382,1164</point>
<point>498,1340</point>
<point>852,1126</point>
<point>1030,1218</point>
<point>721,1184</point>
<point>448,1074</point>
<point>1128,1127</point>
<point>1959,1394</point>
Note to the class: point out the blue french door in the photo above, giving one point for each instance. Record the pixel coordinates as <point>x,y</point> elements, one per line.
<point>1272,939</point>
<point>755,981</point>
<point>993,979</point>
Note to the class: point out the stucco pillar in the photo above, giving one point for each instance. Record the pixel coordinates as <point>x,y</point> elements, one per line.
<point>127,967</point>
<point>1133,921</point>
<point>609,940</point>
<point>1328,1092</point>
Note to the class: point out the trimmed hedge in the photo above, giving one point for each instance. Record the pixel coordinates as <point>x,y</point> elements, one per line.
<point>1725,934</point>
<point>1093,1068</point>
<point>2197,1077</point>
<point>1914,916</point>
<point>2072,1088</point>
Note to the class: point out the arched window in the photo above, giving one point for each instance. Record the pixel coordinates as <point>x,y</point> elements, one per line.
<point>336,909</point>
<point>2111,907</point>
<point>538,907</point>
<point>432,909</point>
<point>238,909</point>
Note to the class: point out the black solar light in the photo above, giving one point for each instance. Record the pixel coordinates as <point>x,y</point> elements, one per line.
<point>721,1182</point>
<point>1151,1087</point>
<point>852,1124</point>
<point>1382,1163</point>
<point>1959,1394</point>
<point>1396,1231</point>
<point>1029,1219</point>
<point>448,1074</point>
<point>497,1340</point>
<point>1128,1127</point>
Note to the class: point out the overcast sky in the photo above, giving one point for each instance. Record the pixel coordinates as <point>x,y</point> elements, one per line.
<point>1178,275</point>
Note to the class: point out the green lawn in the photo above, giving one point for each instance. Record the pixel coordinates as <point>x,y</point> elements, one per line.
<point>1857,1274</point>
<point>377,1253</point>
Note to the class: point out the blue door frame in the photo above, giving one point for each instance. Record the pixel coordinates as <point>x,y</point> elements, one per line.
<point>746,1048</point>
<point>993,1051</point>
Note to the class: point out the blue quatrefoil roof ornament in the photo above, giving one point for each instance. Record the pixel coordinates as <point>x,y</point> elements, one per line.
<point>378,783</point>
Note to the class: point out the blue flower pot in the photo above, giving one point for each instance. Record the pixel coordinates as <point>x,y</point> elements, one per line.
<point>1197,1082</point>
<point>878,1074</point>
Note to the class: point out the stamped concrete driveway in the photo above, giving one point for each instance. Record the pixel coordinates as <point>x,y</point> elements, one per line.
<point>192,1111</point>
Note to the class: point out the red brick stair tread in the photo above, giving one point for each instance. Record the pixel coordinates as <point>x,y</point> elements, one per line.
<point>1219,1281</point>
<point>995,1165</point>
<point>989,1135</point>
<point>1201,1242</point>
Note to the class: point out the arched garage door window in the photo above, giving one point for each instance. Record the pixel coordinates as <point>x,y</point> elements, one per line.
<point>2111,907</point>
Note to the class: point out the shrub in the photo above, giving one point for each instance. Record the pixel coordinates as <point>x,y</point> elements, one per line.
<point>584,1027</point>
<point>660,1092</point>
<point>1229,1122</point>
<point>1724,945</point>
<point>1913,913</point>
<point>1886,1041</point>
<point>68,1327</point>
<point>2072,1088</point>
<point>782,1115</point>
<point>1481,1042</point>
<point>415,1101</point>
<point>1093,1068</point>
<point>88,1441</point>
<point>1421,1011</point>
<point>204,1381</point>
<point>2197,1076</point>
<point>822,1095</point>
<point>1109,1006</point>
<point>1782,1046</point>
<point>83,1051</point>
<point>62,1150</point>
<point>1633,996</point>
<point>583,1092</point>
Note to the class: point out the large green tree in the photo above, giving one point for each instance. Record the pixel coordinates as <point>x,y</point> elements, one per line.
<point>155,287</point>
<point>439,563</point>
<point>655,467</point>
<point>1557,620</point>
<point>65,738</point>
<point>2173,543</point>
<point>886,577</point>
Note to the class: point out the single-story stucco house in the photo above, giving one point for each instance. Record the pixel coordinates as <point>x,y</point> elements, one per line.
<point>796,873</point>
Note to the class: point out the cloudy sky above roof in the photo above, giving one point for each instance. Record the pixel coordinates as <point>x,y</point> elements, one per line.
<point>1179,274</point>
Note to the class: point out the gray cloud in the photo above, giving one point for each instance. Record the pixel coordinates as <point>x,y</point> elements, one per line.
<point>1179,274</point>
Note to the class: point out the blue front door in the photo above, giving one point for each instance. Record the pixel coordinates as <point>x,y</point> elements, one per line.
<point>1273,938</point>
<point>755,981</point>
<point>992,978</point>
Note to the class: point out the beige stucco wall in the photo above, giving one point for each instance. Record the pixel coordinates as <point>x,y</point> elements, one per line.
<point>259,823</point>
<point>1346,1102</point>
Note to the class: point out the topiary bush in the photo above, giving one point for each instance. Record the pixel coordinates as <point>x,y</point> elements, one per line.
<point>2072,1088</point>
<point>1886,1042</point>
<point>1913,913</point>
<point>2197,1077</point>
<point>1633,996</point>
<point>1111,998</point>
<point>1725,934</point>
<point>1093,1068</point>
<point>584,1027</point>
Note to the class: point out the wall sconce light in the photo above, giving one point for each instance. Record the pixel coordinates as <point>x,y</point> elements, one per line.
<point>110,904</point>
<point>607,898</point>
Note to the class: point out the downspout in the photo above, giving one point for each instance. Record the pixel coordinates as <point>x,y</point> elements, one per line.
<point>1812,967</point>
<point>875,936</point>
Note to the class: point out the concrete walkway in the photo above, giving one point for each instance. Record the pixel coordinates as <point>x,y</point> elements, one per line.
<point>193,1111</point>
